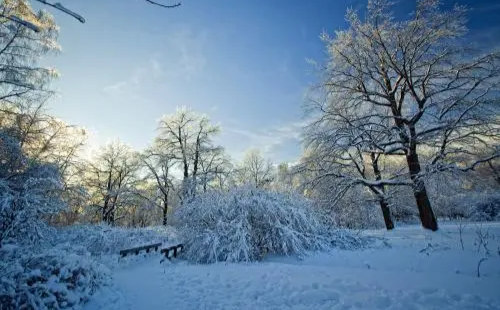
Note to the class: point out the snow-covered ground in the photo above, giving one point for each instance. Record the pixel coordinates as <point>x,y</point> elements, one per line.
<point>409,268</point>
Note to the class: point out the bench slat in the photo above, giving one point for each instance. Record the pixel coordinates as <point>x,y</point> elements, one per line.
<point>136,250</point>
<point>174,249</point>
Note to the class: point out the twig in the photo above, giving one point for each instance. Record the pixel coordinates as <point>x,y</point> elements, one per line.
<point>461,227</point>
<point>163,5</point>
<point>482,239</point>
<point>479,265</point>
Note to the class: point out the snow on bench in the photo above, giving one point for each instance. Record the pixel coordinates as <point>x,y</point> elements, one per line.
<point>173,249</point>
<point>136,250</point>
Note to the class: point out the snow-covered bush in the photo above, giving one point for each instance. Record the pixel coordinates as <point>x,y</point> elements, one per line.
<point>246,224</point>
<point>486,208</point>
<point>28,192</point>
<point>68,266</point>
<point>50,279</point>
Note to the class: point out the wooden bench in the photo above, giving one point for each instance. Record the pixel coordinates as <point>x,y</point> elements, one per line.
<point>136,250</point>
<point>172,251</point>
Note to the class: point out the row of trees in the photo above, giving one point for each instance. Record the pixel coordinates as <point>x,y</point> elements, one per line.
<point>181,162</point>
<point>401,104</point>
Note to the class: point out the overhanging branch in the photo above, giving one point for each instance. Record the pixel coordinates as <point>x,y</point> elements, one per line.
<point>164,5</point>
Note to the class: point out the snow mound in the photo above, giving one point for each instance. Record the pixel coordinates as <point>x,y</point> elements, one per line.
<point>246,224</point>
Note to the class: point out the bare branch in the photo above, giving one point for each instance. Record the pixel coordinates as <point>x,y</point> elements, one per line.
<point>164,5</point>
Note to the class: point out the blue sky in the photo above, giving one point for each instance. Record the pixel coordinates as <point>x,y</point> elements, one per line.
<point>241,62</point>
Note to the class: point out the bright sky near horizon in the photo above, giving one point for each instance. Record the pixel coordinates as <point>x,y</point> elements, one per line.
<point>241,62</point>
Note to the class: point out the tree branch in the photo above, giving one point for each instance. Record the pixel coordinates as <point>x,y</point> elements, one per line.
<point>163,5</point>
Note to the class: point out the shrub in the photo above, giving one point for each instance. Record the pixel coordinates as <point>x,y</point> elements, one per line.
<point>487,208</point>
<point>246,224</point>
<point>52,279</point>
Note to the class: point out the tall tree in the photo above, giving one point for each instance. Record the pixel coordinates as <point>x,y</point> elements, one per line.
<point>23,82</point>
<point>188,135</point>
<point>414,72</point>
<point>111,179</point>
<point>160,165</point>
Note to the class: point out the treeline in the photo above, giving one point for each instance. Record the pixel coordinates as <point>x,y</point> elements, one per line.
<point>403,126</point>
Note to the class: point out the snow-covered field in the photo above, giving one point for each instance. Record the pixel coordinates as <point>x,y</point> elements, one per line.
<point>408,268</point>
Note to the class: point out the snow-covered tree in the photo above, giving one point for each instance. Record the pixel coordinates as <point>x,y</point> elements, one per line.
<point>255,169</point>
<point>111,178</point>
<point>215,169</point>
<point>187,135</point>
<point>439,101</point>
<point>160,165</point>
<point>344,144</point>
<point>22,80</point>
<point>24,91</point>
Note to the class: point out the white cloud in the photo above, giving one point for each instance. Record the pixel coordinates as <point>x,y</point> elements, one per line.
<point>184,58</point>
<point>118,87</point>
<point>152,69</point>
<point>271,141</point>
<point>188,51</point>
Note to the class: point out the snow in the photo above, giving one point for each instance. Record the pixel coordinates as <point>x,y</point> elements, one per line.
<point>408,268</point>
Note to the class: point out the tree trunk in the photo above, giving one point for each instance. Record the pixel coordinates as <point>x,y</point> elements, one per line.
<point>426,214</point>
<point>380,192</point>
<point>165,209</point>
<point>386,212</point>
<point>105,210</point>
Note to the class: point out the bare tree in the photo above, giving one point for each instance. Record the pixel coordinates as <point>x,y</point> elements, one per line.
<point>111,179</point>
<point>215,167</point>
<point>414,73</point>
<point>188,135</point>
<point>255,169</point>
<point>344,144</point>
<point>160,165</point>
